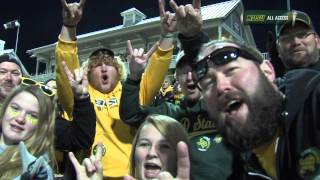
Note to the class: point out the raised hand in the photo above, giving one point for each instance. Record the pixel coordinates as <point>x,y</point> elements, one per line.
<point>183,169</point>
<point>78,81</point>
<point>72,12</point>
<point>91,168</point>
<point>138,60</point>
<point>189,20</point>
<point>167,20</point>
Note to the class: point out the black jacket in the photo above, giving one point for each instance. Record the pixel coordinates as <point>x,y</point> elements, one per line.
<point>79,133</point>
<point>300,138</point>
<point>280,81</point>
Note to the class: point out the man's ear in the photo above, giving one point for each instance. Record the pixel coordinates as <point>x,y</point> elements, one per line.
<point>317,41</point>
<point>278,48</point>
<point>268,70</point>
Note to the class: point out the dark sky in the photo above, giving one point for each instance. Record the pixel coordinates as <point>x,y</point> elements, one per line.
<point>41,19</point>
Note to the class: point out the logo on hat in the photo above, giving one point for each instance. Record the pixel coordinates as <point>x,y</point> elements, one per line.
<point>293,17</point>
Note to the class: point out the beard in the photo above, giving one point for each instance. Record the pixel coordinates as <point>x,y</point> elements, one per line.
<point>6,88</point>
<point>306,60</point>
<point>262,122</point>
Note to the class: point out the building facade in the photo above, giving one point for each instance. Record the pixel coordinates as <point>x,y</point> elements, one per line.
<point>221,20</point>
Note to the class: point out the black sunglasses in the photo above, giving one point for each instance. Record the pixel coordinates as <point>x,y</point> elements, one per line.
<point>102,51</point>
<point>30,82</point>
<point>220,57</point>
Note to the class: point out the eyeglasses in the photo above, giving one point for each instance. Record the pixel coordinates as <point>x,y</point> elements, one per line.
<point>30,82</point>
<point>102,51</point>
<point>289,37</point>
<point>219,58</point>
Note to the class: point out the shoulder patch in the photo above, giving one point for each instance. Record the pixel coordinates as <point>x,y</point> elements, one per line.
<point>309,163</point>
<point>203,143</point>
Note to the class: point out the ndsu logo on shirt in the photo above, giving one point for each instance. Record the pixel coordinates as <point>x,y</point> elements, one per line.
<point>204,142</point>
<point>112,102</point>
<point>309,163</point>
<point>102,104</point>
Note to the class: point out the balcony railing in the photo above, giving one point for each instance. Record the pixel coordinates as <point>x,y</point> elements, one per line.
<point>43,77</point>
<point>265,55</point>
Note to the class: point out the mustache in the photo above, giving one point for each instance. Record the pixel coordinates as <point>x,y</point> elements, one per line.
<point>228,96</point>
<point>7,83</point>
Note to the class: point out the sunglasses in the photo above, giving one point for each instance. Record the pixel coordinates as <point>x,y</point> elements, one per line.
<point>220,57</point>
<point>291,36</point>
<point>30,82</point>
<point>102,51</point>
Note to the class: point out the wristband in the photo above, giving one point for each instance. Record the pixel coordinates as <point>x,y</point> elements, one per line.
<point>167,36</point>
<point>69,26</point>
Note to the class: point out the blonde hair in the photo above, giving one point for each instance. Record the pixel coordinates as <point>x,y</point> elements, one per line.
<point>171,129</point>
<point>102,58</point>
<point>40,143</point>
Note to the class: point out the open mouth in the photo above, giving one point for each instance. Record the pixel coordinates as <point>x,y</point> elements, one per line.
<point>16,128</point>
<point>152,170</point>
<point>233,105</point>
<point>191,86</point>
<point>104,78</point>
<point>233,109</point>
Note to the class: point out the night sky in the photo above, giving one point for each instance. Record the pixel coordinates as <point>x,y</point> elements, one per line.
<point>41,19</point>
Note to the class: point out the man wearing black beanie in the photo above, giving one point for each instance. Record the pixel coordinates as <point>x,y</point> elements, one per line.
<point>10,74</point>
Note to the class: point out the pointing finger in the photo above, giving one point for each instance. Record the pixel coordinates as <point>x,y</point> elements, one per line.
<point>161,7</point>
<point>64,4</point>
<point>129,47</point>
<point>196,4</point>
<point>99,151</point>
<point>74,161</point>
<point>67,71</point>
<point>82,3</point>
<point>183,170</point>
<point>173,6</point>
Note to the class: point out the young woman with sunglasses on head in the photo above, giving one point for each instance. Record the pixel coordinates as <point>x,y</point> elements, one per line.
<point>155,147</point>
<point>28,115</point>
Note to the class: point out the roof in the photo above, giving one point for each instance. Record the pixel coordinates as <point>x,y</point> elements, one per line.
<point>133,10</point>
<point>219,10</point>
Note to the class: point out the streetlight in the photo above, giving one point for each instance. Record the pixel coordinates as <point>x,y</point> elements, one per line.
<point>288,5</point>
<point>11,25</point>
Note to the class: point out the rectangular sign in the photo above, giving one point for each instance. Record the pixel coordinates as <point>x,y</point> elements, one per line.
<point>264,16</point>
